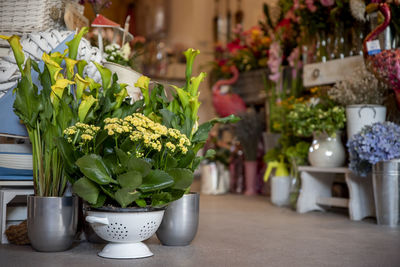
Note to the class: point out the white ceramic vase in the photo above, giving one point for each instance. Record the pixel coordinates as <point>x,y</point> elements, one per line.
<point>128,76</point>
<point>359,116</point>
<point>326,151</point>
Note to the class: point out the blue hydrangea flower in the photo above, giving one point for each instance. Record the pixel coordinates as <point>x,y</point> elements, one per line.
<point>374,143</point>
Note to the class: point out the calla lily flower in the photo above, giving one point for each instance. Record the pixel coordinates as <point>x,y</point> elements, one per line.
<point>58,57</point>
<point>105,75</point>
<point>70,64</point>
<point>74,43</point>
<point>86,104</point>
<point>57,90</point>
<point>52,66</point>
<point>190,55</point>
<point>93,86</point>
<point>81,85</point>
<point>121,95</point>
<point>195,83</point>
<point>143,84</point>
<point>17,49</point>
<point>81,66</point>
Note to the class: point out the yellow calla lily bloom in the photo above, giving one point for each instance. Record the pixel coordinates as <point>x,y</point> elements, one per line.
<point>70,63</point>
<point>81,85</point>
<point>57,90</point>
<point>53,67</point>
<point>17,49</point>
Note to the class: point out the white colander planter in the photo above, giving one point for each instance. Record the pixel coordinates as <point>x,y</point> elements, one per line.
<point>125,231</point>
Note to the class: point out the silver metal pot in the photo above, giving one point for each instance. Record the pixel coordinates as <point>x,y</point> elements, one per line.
<point>52,222</point>
<point>385,175</point>
<point>180,222</point>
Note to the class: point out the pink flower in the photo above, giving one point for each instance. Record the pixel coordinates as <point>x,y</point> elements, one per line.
<point>296,4</point>
<point>327,3</point>
<point>275,61</point>
<point>311,6</point>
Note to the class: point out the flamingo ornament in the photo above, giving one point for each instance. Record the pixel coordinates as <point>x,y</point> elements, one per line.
<point>386,64</point>
<point>227,104</point>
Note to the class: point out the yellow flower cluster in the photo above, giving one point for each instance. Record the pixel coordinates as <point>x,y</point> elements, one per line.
<point>152,134</point>
<point>115,125</point>
<point>87,132</point>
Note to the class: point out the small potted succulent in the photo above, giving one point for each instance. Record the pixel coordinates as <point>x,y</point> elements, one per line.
<point>377,148</point>
<point>323,122</point>
<point>362,95</point>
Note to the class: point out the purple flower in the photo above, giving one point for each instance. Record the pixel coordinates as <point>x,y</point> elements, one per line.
<point>377,142</point>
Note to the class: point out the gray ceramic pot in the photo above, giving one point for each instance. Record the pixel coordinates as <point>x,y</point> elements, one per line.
<point>180,222</point>
<point>52,222</point>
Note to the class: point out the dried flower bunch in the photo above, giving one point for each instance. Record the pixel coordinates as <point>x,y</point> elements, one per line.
<point>361,88</point>
<point>377,142</point>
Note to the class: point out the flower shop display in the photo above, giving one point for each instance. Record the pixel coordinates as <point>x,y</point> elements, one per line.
<point>323,122</point>
<point>377,148</point>
<point>363,96</point>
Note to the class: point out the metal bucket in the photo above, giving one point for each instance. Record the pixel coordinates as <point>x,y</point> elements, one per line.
<point>52,222</point>
<point>385,175</point>
<point>180,222</point>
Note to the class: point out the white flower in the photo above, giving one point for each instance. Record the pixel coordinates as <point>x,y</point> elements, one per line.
<point>125,51</point>
<point>111,58</point>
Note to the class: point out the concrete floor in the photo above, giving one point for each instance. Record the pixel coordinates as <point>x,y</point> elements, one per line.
<point>236,230</point>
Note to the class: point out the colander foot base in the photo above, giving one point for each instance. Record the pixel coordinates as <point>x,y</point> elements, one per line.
<point>125,251</point>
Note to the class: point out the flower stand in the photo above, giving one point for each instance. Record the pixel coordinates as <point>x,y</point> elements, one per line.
<point>316,193</point>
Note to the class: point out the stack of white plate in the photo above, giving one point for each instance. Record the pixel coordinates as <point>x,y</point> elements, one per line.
<point>15,161</point>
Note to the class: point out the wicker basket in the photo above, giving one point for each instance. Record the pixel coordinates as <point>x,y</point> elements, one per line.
<point>18,17</point>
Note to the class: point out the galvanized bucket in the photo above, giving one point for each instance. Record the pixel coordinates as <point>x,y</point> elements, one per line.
<point>385,175</point>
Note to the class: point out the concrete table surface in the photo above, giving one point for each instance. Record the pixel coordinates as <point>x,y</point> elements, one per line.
<point>236,230</point>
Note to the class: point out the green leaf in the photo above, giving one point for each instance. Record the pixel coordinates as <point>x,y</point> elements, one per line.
<point>187,160</point>
<point>74,43</point>
<point>131,179</point>
<point>86,104</point>
<point>201,134</point>
<point>167,116</point>
<point>160,199</point>
<point>139,165</point>
<point>105,76</point>
<point>122,156</point>
<point>156,180</point>
<point>126,196</point>
<point>86,189</point>
<point>100,201</point>
<point>141,203</point>
<point>93,167</point>
<point>27,104</point>
<point>67,154</point>
<point>171,162</point>
<point>183,178</point>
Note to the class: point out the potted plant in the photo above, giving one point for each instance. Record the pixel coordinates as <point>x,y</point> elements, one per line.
<point>362,95</point>
<point>46,113</point>
<point>129,165</point>
<point>377,148</point>
<point>322,121</point>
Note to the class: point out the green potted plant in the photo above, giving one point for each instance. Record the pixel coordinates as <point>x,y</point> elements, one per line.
<point>46,113</point>
<point>130,166</point>
<point>323,121</point>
